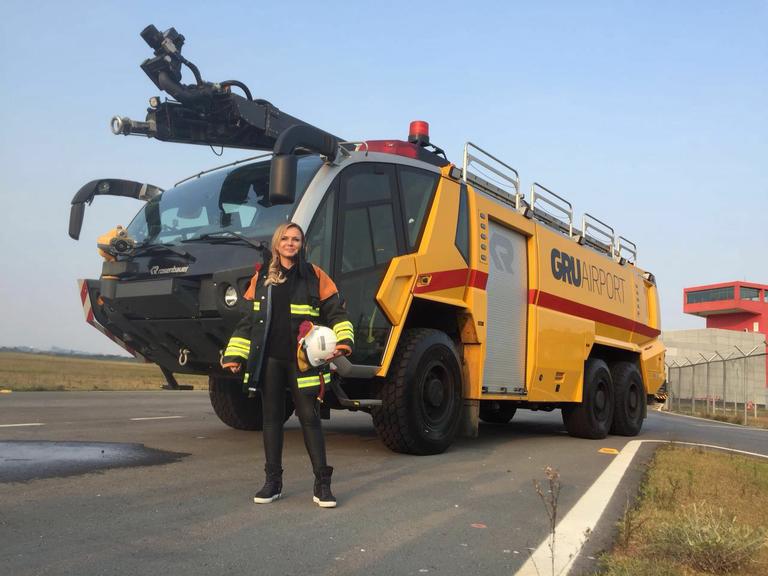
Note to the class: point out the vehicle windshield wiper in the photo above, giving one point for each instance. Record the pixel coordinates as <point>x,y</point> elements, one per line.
<point>146,248</point>
<point>228,236</point>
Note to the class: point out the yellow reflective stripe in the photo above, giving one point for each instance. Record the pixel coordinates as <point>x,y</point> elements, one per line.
<point>344,331</point>
<point>308,381</point>
<point>236,352</point>
<point>245,378</point>
<point>304,310</point>
<point>233,346</point>
<point>256,306</point>
<point>237,346</point>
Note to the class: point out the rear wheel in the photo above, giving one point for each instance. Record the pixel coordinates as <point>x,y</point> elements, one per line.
<point>234,407</point>
<point>496,412</point>
<point>629,399</point>
<point>592,418</point>
<point>421,399</point>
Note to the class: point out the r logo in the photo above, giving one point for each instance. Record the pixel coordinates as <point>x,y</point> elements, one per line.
<point>502,253</point>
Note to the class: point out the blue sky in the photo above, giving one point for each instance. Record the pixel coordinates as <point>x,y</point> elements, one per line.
<point>651,115</point>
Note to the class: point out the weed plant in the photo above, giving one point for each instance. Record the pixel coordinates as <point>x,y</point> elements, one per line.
<point>698,513</point>
<point>708,539</point>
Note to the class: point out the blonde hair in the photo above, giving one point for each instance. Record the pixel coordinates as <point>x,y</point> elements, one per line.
<point>274,274</point>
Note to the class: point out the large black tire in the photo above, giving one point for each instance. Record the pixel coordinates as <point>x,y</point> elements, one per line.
<point>234,407</point>
<point>496,412</point>
<point>629,399</point>
<point>421,398</point>
<point>592,418</point>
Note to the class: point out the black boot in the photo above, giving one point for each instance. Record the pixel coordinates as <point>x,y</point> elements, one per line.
<point>323,496</point>
<point>273,486</point>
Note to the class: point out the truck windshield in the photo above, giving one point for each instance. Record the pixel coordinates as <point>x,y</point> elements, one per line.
<point>234,199</point>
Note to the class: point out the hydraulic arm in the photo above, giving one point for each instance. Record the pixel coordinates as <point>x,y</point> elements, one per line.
<point>209,113</point>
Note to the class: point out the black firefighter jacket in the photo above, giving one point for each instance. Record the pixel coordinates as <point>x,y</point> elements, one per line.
<point>315,298</point>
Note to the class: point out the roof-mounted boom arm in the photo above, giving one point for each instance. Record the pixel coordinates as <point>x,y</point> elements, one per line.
<point>203,113</point>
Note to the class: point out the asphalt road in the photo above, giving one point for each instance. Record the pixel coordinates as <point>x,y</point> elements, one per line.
<point>153,483</point>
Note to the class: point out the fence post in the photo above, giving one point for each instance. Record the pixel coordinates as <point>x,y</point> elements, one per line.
<point>693,385</point>
<point>725,370</point>
<point>746,395</point>
<point>706,409</point>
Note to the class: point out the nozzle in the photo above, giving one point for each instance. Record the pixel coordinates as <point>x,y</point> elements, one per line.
<point>152,36</point>
<point>126,126</point>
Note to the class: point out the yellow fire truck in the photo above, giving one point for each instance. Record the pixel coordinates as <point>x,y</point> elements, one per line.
<point>469,299</point>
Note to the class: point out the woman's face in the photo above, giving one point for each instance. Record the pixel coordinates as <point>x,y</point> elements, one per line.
<point>289,244</point>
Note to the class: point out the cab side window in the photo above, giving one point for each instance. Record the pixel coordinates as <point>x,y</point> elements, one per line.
<point>417,188</point>
<point>320,233</point>
<point>369,237</point>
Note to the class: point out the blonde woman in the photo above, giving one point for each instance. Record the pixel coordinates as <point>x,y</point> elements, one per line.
<point>265,341</point>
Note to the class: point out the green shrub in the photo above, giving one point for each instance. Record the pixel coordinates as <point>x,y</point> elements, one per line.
<point>709,540</point>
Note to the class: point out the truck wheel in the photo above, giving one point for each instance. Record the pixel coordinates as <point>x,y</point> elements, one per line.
<point>592,418</point>
<point>629,399</point>
<point>496,412</point>
<point>233,406</point>
<point>421,398</point>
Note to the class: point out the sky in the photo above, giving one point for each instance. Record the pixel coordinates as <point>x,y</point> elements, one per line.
<point>651,115</point>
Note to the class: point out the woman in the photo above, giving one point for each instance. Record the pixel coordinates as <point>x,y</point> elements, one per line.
<point>291,293</point>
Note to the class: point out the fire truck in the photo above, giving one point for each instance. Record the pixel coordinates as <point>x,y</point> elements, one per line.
<point>469,299</point>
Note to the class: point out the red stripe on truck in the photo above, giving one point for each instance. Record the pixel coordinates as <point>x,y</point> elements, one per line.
<point>553,302</point>
<point>446,279</point>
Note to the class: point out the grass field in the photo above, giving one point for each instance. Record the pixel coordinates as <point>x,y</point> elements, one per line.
<point>36,372</point>
<point>757,416</point>
<point>698,513</point>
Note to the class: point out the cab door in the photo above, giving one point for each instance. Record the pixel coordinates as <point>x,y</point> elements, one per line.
<point>369,235</point>
<point>371,213</point>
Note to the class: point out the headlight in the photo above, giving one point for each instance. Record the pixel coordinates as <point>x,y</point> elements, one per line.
<point>230,296</point>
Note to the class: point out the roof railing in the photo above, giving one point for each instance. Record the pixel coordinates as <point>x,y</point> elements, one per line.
<point>597,234</point>
<point>483,170</point>
<point>498,179</point>
<point>623,245</point>
<point>541,195</point>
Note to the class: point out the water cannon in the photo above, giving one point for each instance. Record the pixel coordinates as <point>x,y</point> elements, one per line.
<point>206,113</point>
<point>164,69</point>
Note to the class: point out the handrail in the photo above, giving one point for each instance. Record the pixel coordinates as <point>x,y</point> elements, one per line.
<point>507,179</point>
<point>589,222</point>
<point>624,244</point>
<point>548,200</point>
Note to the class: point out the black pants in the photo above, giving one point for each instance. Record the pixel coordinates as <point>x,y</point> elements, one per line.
<point>279,376</point>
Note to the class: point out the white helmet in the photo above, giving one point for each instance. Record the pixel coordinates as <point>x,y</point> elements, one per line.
<point>319,343</point>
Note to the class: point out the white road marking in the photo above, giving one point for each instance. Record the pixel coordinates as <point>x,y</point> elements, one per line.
<point>573,529</point>
<point>714,423</point>
<point>27,424</point>
<point>157,418</point>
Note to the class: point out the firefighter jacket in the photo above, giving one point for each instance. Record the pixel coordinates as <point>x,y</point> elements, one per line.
<point>315,298</point>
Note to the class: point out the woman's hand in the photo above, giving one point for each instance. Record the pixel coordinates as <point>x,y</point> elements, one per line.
<point>234,367</point>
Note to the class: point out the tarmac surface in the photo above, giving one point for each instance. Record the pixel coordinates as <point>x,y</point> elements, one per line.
<point>152,482</point>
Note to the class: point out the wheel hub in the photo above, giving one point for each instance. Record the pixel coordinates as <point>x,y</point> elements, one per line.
<point>434,393</point>
<point>600,400</point>
<point>633,402</point>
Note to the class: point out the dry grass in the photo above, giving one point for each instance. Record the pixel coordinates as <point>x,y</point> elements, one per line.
<point>698,513</point>
<point>37,372</point>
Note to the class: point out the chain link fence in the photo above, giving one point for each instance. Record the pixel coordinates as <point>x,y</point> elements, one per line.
<point>731,385</point>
